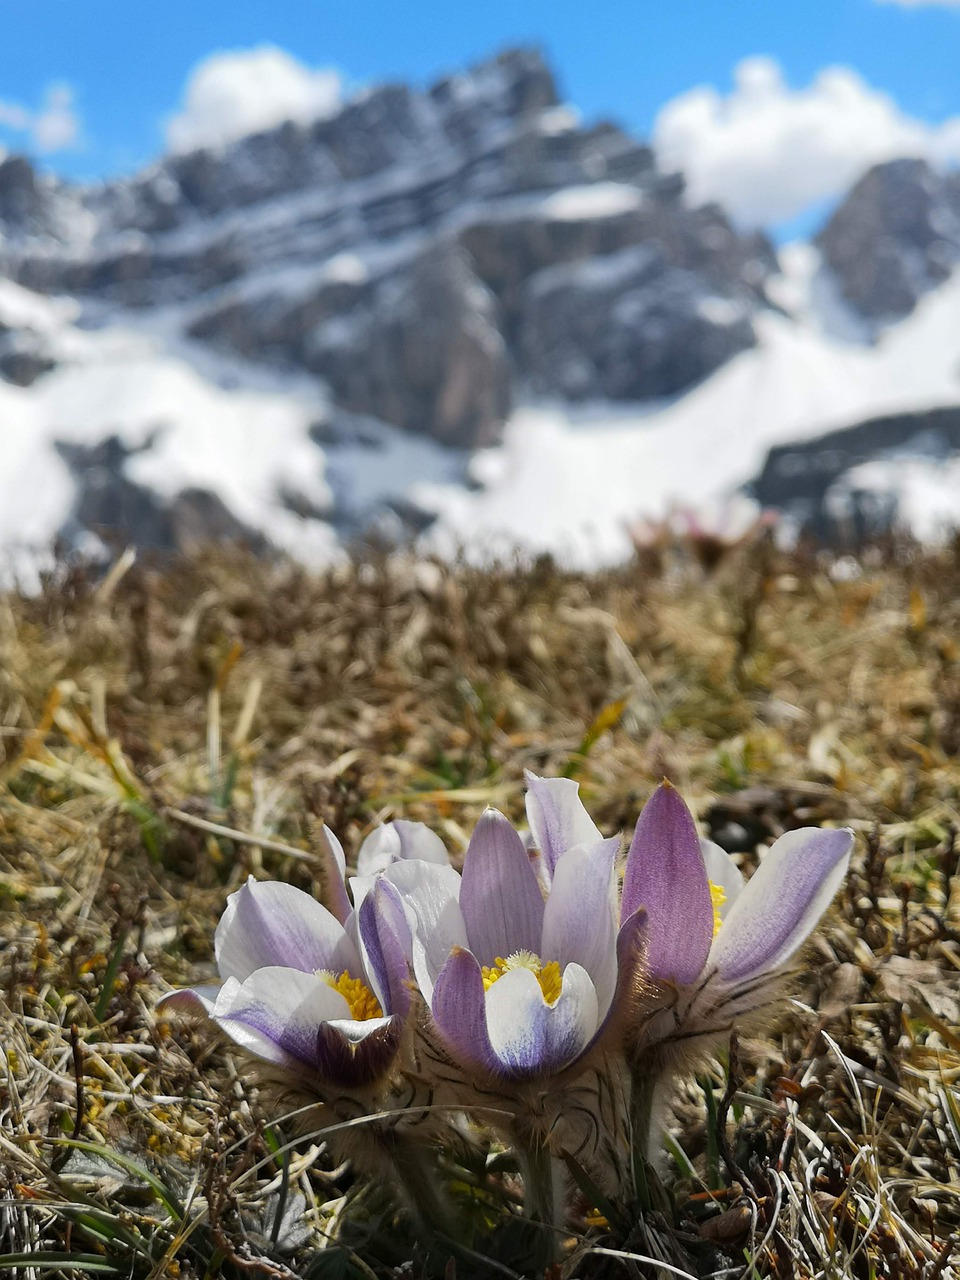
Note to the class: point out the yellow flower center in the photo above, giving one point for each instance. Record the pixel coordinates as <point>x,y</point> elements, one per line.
<point>548,975</point>
<point>363,1003</point>
<point>718,896</point>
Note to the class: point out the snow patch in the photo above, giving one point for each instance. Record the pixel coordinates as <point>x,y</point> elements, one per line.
<point>22,309</point>
<point>596,200</point>
<point>569,483</point>
<point>924,493</point>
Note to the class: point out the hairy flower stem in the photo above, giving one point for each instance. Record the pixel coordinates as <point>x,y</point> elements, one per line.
<point>416,1183</point>
<point>644,1096</point>
<point>540,1201</point>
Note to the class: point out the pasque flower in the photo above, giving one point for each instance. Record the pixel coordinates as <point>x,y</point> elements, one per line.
<point>520,970</point>
<point>565,1012</point>
<point>713,942</point>
<point>303,990</point>
<point>319,988</point>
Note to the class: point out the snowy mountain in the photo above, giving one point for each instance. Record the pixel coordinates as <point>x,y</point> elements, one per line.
<point>456,313</point>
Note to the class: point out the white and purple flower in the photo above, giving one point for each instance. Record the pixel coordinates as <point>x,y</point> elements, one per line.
<point>519,959</point>
<point>304,990</point>
<point>713,941</point>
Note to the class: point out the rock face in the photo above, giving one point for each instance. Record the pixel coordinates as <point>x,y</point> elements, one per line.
<point>24,356</point>
<point>435,361</point>
<point>627,326</point>
<point>116,509</point>
<point>895,236</point>
<point>800,479</point>
<point>423,253</point>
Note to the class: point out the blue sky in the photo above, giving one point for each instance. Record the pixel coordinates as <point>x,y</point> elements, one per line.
<point>117,69</point>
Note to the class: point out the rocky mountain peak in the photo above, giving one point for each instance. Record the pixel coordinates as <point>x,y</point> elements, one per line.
<point>894,237</point>
<point>405,250</point>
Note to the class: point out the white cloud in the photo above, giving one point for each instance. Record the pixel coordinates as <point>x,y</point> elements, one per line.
<point>56,126</point>
<point>53,127</point>
<point>243,91</point>
<point>767,152</point>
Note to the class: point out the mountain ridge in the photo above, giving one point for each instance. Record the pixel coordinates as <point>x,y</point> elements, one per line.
<point>398,285</point>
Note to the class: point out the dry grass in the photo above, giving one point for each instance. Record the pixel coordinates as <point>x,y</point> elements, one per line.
<point>261,701</point>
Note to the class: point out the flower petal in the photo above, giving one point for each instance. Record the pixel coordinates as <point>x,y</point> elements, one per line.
<point>781,903</point>
<point>499,895</point>
<point>386,942</point>
<point>557,817</point>
<point>333,869</point>
<point>295,1020</point>
<point>724,872</point>
<point>530,1037</point>
<point>378,850</point>
<point>666,875</point>
<point>459,1011</point>
<point>276,1013</point>
<point>579,922</point>
<point>418,841</point>
<point>268,924</point>
<point>190,1001</point>
<point>430,896</point>
<point>355,1054</point>
<point>400,840</point>
<point>631,952</point>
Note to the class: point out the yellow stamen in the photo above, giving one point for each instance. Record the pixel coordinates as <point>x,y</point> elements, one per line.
<point>548,975</point>
<point>718,896</point>
<point>363,1003</point>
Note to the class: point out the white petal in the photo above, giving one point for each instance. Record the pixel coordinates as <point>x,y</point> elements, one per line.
<point>379,849</point>
<point>333,871</point>
<point>430,896</point>
<point>192,1001</point>
<point>360,886</point>
<point>531,1037</point>
<point>357,1031</point>
<point>418,841</point>
<point>579,922</point>
<point>781,904</point>
<point>400,840</point>
<point>269,924</point>
<point>722,871</point>
<point>557,817</point>
<point>336,848</point>
<point>276,1013</point>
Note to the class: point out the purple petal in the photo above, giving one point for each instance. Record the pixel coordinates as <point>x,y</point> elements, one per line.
<point>665,874</point>
<point>631,953</point>
<point>557,817</point>
<point>459,1011</point>
<point>353,1055</point>
<point>579,922</point>
<point>499,896</point>
<point>273,924</point>
<point>333,869</point>
<point>782,903</point>
<point>530,1037</point>
<point>386,941</point>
